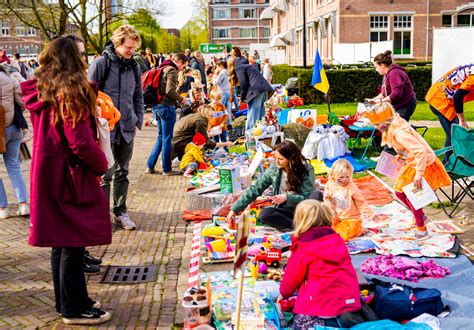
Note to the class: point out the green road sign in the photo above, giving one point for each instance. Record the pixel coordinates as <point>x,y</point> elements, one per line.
<point>213,48</point>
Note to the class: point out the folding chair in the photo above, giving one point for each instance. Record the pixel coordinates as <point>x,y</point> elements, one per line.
<point>460,166</point>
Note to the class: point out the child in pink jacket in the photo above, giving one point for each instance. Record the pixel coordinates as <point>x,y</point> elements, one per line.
<point>346,200</point>
<point>320,269</point>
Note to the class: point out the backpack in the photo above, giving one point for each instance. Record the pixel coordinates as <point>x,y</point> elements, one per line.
<point>399,302</point>
<point>107,71</point>
<point>151,87</point>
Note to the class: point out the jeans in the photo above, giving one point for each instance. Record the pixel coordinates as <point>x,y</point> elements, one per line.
<point>194,166</point>
<point>11,157</point>
<point>221,137</point>
<point>446,124</point>
<point>235,99</point>
<point>407,111</point>
<point>278,217</point>
<point>256,110</point>
<point>122,152</point>
<point>228,106</point>
<point>70,288</point>
<point>165,116</point>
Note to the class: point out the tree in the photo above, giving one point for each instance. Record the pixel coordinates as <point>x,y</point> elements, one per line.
<point>193,34</point>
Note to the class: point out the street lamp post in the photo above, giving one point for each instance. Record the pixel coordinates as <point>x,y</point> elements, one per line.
<point>304,33</point>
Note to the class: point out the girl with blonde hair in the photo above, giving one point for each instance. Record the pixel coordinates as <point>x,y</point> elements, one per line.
<point>346,200</point>
<point>320,269</point>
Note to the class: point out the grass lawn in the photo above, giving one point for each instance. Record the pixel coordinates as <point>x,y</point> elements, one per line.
<point>422,111</point>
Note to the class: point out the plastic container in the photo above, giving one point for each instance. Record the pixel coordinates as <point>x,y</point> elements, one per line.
<point>196,308</point>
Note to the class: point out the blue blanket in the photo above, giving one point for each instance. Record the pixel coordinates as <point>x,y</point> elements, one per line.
<point>457,289</point>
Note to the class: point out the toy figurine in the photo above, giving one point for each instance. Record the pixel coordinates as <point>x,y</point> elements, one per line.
<point>262,268</point>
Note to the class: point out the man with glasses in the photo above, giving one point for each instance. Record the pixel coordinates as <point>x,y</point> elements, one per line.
<point>118,75</point>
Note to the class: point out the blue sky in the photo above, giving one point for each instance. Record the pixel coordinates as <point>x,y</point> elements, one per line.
<point>179,12</point>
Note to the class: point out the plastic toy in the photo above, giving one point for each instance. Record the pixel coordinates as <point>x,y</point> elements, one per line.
<point>274,274</point>
<point>271,257</point>
<point>262,268</point>
<point>253,267</point>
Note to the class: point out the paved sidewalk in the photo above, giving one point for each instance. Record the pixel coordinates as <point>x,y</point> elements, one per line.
<point>156,204</point>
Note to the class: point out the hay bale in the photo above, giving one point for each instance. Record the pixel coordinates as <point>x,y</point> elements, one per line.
<point>297,132</point>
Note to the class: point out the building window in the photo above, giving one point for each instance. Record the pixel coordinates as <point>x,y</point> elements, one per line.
<point>22,51</point>
<point>20,29</point>
<point>248,32</point>
<point>378,28</point>
<point>5,29</point>
<point>247,1</point>
<point>247,13</point>
<point>447,20</point>
<point>221,13</point>
<point>402,34</point>
<point>221,1</point>
<point>33,50</point>
<point>221,33</point>
<point>31,31</point>
<point>266,32</point>
<point>465,20</point>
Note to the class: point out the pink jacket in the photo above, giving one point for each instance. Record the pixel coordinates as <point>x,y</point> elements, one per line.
<point>320,268</point>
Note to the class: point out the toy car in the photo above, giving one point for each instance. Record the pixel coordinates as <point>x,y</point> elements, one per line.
<point>271,257</point>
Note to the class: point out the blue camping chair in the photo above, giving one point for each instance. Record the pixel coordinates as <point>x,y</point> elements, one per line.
<point>460,166</point>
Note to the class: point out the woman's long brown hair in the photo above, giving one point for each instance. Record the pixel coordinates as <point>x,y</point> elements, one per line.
<point>62,81</point>
<point>231,71</point>
<point>296,164</point>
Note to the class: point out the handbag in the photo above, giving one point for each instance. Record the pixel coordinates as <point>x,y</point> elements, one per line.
<point>399,302</point>
<point>103,133</point>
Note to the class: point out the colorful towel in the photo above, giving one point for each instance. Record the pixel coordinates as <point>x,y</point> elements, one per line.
<point>319,166</point>
<point>357,165</point>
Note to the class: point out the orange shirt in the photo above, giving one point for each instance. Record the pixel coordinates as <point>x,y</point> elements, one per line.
<point>440,95</point>
<point>220,116</point>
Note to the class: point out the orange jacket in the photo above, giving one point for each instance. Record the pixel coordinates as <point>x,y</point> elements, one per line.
<point>357,205</point>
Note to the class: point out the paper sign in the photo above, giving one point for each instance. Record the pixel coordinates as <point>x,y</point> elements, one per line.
<point>419,197</point>
<point>389,165</point>
<point>255,162</point>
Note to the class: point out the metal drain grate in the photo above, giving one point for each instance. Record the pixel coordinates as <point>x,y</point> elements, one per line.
<point>129,274</point>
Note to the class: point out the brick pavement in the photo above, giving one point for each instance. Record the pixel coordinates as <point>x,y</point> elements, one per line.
<point>155,203</point>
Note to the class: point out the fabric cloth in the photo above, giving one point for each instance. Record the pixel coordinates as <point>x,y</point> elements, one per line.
<point>256,110</point>
<point>124,86</point>
<point>197,215</point>
<point>348,229</point>
<point>192,154</point>
<point>403,268</point>
<point>165,116</point>
<point>11,158</point>
<point>435,174</point>
<point>10,93</point>
<point>350,203</point>
<point>185,129</point>
<point>320,269</point>
<point>418,214</point>
<point>70,288</point>
<point>441,93</point>
<point>122,152</point>
<point>272,177</point>
<point>397,85</point>
<point>55,221</point>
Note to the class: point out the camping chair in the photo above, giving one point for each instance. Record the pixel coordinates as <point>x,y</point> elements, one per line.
<point>460,165</point>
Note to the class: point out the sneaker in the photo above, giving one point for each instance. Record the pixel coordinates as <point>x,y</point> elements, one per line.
<point>171,173</point>
<point>91,269</point>
<point>95,303</point>
<point>23,210</point>
<point>421,235</point>
<point>91,260</point>
<point>4,213</point>
<point>91,316</point>
<point>124,221</point>
<point>150,171</point>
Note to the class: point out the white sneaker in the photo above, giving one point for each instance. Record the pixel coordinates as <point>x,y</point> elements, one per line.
<point>4,213</point>
<point>124,221</point>
<point>23,210</point>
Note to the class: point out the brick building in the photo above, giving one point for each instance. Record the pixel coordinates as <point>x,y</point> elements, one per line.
<point>237,22</point>
<point>15,37</point>
<point>407,23</point>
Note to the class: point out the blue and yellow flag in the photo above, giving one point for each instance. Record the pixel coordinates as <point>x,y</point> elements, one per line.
<point>319,80</point>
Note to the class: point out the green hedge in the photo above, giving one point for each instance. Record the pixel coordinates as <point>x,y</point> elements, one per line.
<point>351,85</point>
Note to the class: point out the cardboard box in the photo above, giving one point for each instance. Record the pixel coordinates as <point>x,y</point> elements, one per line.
<point>229,179</point>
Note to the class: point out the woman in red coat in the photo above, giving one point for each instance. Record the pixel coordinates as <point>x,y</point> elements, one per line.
<point>68,207</point>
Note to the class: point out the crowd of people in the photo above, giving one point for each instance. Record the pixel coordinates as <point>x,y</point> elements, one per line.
<point>193,111</point>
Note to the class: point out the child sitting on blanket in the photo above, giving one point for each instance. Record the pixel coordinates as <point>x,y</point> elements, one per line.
<point>320,269</point>
<point>219,119</point>
<point>193,158</point>
<point>421,161</point>
<point>346,200</point>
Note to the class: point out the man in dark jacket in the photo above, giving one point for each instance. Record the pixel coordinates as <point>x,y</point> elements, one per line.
<point>197,63</point>
<point>140,58</point>
<point>118,75</point>
<point>165,113</point>
<point>22,65</point>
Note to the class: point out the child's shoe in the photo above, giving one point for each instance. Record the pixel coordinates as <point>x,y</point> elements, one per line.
<point>421,233</point>
<point>188,173</point>
<point>23,210</point>
<point>4,213</point>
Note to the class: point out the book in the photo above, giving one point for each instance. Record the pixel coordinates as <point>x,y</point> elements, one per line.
<point>445,227</point>
<point>389,165</point>
<point>419,197</point>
